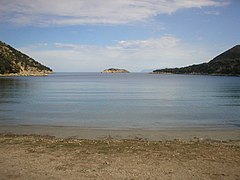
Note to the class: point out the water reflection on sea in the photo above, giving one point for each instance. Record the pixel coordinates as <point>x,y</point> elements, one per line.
<point>121,101</point>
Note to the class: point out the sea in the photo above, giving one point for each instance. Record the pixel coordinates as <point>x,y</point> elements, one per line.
<point>121,101</point>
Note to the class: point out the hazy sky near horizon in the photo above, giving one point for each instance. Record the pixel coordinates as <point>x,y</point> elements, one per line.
<point>92,35</point>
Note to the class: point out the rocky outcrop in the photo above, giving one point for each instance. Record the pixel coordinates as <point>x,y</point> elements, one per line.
<point>15,63</point>
<point>114,70</point>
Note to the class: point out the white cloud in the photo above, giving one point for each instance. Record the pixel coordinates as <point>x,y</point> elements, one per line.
<point>75,12</point>
<point>163,42</point>
<point>134,55</point>
<point>212,12</point>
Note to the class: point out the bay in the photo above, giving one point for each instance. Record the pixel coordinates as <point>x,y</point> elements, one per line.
<point>121,101</point>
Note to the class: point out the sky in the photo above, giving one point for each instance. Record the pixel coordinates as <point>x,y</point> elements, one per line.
<point>137,35</point>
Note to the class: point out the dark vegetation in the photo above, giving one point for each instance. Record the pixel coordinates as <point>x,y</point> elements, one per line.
<point>227,63</point>
<point>12,60</point>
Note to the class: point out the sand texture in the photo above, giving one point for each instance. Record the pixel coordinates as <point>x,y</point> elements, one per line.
<point>46,157</point>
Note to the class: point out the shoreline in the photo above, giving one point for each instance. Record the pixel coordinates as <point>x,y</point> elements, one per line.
<point>25,75</point>
<point>195,74</point>
<point>58,152</point>
<point>120,134</point>
<point>46,157</point>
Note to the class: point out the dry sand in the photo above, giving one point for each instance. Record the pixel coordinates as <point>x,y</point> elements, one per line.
<point>46,157</point>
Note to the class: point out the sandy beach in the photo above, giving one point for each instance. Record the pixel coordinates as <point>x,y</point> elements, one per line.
<point>75,153</point>
<point>118,134</point>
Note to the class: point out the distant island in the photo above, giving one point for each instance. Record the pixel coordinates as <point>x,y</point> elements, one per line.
<point>114,70</point>
<point>227,63</point>
<point>15,63</point>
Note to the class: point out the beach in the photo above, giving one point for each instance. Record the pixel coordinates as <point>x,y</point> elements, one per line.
<point>118,134</point>
<point>125,90</point>
<point>129,126</point>
<point>45,152</point>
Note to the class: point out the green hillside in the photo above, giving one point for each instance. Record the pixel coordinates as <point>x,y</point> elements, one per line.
<point>227,63</point>
<point>13,61</point>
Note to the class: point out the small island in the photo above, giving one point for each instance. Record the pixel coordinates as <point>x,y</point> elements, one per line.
<point>15,63</point>
<point>114,70</point>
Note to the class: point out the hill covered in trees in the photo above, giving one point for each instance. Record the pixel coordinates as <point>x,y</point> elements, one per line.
<point>14,62</point>
<point>227,63</point>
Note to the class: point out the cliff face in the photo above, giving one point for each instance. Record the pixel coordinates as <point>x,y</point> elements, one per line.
<point>227,63</point>
<point>13,62</point>
<point>113,70</point>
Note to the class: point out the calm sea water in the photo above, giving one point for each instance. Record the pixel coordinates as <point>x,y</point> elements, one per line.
<point>121,101</point>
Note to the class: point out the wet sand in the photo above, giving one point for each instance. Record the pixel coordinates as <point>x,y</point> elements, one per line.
<point>146,134</point>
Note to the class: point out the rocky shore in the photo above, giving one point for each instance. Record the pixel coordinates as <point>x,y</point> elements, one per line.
<point>30,73</point>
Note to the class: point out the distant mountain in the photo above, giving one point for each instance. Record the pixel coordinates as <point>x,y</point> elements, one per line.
<point>114,70</point>
<point>14,62</point>
<point>227,63</point>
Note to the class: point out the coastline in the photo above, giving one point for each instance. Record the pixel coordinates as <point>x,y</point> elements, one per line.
<point>22,75</point>
<point>46,157</point>
<point>119,134</point>
<point>58,152</point>
<point>195,74</point>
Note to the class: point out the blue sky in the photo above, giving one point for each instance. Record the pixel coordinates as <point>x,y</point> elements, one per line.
<point>92,35</point>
